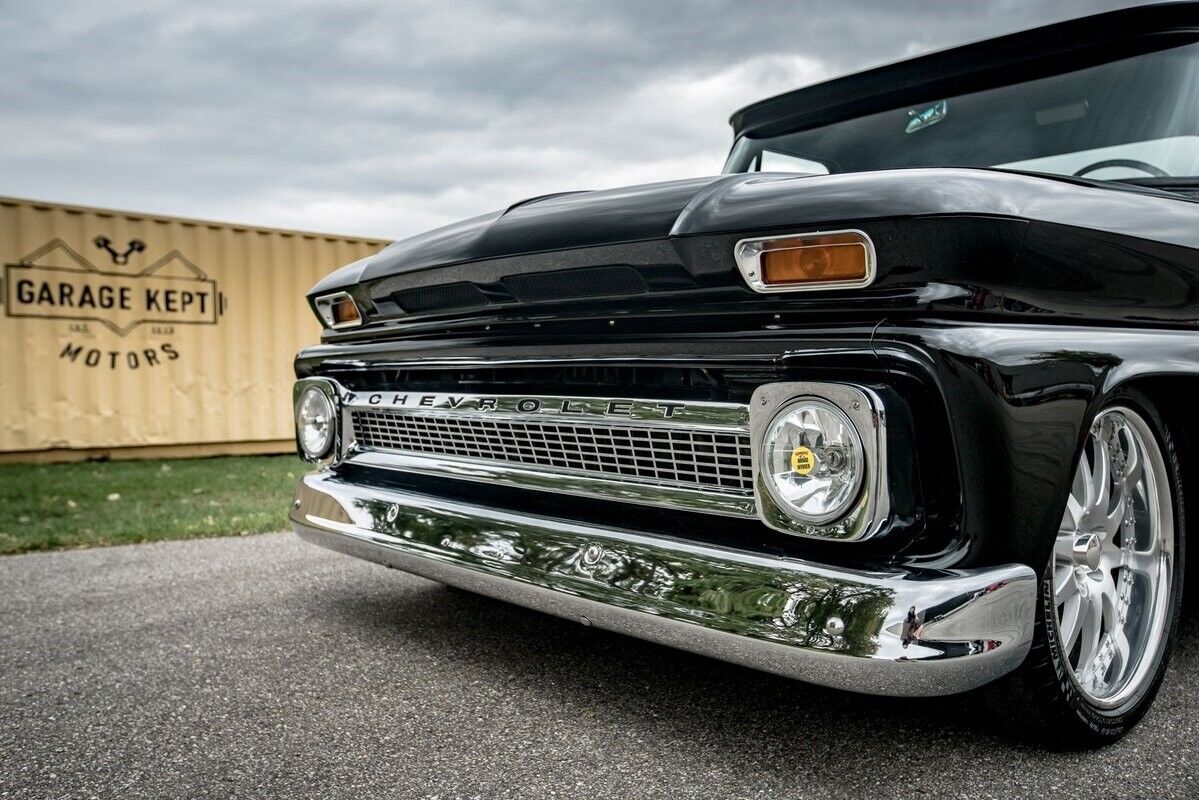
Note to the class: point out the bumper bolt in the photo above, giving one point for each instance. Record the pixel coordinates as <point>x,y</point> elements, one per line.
<point>835,626</point>
<point>592,555</point>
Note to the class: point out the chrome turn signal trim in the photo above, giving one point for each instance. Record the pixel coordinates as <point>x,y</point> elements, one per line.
<point>748,254</point>
<point>326,308</point>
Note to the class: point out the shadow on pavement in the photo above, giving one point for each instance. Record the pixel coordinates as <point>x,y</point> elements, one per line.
<point>673,706</point>
<point>656,690</point>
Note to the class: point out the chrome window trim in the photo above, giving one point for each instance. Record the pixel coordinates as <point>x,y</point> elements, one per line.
<point>324,309</point>
<point>865,410</point>
<point>748,255</point>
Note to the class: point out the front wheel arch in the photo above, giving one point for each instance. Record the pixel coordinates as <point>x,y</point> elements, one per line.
<point>1173,398</point>
<point>1040,698</point>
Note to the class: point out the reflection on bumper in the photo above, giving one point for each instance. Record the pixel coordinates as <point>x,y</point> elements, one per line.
<point>887,632</point>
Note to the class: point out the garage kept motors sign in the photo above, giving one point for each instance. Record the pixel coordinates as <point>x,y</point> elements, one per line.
<point>169,291</point>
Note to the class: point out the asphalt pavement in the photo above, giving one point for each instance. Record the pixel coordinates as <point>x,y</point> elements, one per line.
<point>265,667</point>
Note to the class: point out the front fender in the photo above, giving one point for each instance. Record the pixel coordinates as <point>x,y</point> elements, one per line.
<point>1020,399</point>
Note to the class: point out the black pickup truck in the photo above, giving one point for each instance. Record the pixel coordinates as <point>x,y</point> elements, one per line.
<point>901,403</point>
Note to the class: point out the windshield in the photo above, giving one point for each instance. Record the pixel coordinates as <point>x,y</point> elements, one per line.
<point>1137,118</point>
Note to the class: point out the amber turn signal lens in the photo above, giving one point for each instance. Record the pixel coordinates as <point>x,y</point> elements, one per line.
<point>345,311</point>
<point>338,310</point>
<point>819,258</point>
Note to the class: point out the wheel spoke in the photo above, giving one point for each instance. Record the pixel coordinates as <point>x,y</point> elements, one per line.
<point>1106,591</point>
<point>1123,652</point>
<point>1114,644</point>
<point>1115,517</point>
<point>1101,475</point>
<point>1065,588</point>
<point>1087,483</point>
<point>1144,562</point>
<point>1111,556</point>
<point>1132,467</point>
<point>1073,516</point>
<point>1071,622</point>
<point>1092,625</point>
<point>1063,547</point>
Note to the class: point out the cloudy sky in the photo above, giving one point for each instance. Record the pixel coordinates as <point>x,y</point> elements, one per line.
<point>386,119</point>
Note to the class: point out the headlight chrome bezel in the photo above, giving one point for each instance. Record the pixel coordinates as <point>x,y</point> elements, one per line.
<point>328,391</point>
<point>861,517</point>
<point>855,458</point>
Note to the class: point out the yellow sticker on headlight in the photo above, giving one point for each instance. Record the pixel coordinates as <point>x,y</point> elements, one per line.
<point>803,461</point>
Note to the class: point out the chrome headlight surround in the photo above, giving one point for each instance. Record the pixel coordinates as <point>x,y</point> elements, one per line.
<point>858,518</point>
<point>328,391</point>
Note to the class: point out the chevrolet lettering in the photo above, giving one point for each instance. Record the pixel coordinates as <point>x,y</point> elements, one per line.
<point>497,405</point>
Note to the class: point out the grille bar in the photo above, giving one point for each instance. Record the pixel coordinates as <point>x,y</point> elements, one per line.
<point>697,459</point>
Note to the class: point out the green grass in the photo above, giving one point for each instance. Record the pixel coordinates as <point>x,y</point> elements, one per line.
<point>50,506</point>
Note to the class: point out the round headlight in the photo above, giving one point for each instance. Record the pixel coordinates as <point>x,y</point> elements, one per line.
<point>314,422</point>
<point>813,461</point>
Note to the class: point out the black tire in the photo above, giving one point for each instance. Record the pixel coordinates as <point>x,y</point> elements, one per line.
<point>1039,700</point>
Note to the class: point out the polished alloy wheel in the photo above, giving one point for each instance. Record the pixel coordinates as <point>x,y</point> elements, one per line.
<point>1113,560</point>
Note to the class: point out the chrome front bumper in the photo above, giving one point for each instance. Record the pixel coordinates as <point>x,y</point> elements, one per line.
<point>887,632</point>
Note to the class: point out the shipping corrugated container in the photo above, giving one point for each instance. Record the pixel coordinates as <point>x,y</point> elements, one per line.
<point>130,335</point>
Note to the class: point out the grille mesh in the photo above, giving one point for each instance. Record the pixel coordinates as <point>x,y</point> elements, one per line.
<point>437,298</point>
<point>669,456</point>
<point>572,283</point>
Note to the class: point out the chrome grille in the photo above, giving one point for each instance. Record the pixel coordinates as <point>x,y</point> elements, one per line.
<point>690,458</point>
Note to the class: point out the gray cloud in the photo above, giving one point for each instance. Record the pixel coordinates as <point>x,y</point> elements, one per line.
<point>390,118</point>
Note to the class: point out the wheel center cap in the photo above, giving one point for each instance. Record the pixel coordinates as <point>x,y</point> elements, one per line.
<point>1087,549</point>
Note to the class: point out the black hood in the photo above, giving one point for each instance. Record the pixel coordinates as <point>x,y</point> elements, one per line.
<point>757,201</point>
<point>552,222</point>
<point>678,236</point>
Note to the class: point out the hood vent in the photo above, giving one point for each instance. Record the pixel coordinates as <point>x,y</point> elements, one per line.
<point>533,287</point>
<point>569,284</point>
<point>440,298</point>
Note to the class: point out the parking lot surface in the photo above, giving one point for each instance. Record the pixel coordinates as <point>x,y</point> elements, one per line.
<point>263,666</point>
